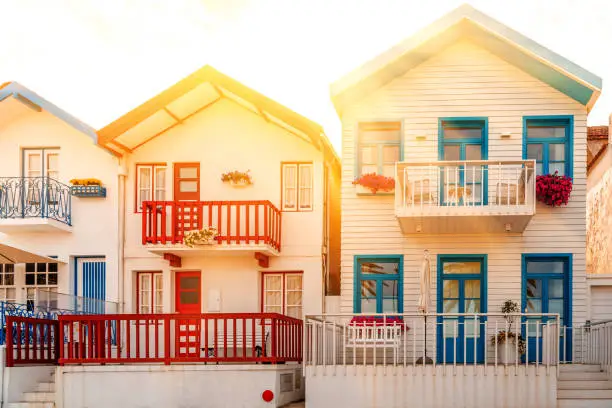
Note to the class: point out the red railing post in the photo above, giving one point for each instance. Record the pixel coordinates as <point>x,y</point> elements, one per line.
<point>167,358</point>
<point>59,341</point>
<point>274,339</point>
<point>9,341</point>
<point>266,230</point>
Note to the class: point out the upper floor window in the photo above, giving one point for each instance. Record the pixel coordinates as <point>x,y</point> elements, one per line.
<point>378,148</point>
<point>297,186</point>
<point>150,183</point>
<point>378,284</point>
<point>41,163</point>
<point>282,293</point>
<point>548,140</point>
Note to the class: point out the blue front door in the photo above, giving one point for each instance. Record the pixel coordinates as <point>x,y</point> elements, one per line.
<point>461,289</point>
<point>91,285</point>
<point>546,289</point>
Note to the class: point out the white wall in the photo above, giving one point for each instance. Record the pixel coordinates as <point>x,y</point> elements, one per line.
<point>222,138</point>
<point>463,80</point>
<point>14,381</point>
<point>469,387</point>
<point>94,220</point>
<point>158,386</point>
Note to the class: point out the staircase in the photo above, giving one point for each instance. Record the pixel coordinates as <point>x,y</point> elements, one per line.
<point>583,386</point>
<point>42,396</point>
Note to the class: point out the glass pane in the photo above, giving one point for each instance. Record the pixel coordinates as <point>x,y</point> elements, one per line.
<point>556,306</point>
<point>451,328</point>
<point>53,162</point>
<point>189,298</point>
<point>189,283</point>
<point>556,151</point>
<point>473,152</point>
<point>472,306</point>
<point>369,169</point>
<point>555,288</point>
<point>533,328</point>
<point>368,305</point>
<point>558,167</point>
<point>9,280</point>
<point>539,170</point>
<point>290,176</point>
<point>380,132</point>
<point>379,268</point>
<point>52,267</point>
<point>145,177</point>
<point>545,266</point>
<point>52,279</point>
<point>294,282</point>
<point>461,267</point>
<point>305,176</point>
<point>294,311</point>
<point>273,309</point>
<point>388,170</point>
<point>145,282</point>
<point>41,278</point>
<point>534,306</point>
<point>188,172</point>
<point>158,301</point>
<point>534,151</point>
<point>160,177</point>
<point>473,174</point>
<point>390,287</point>
<point>472,289</point>
<point>41,267</point>
<point>534,288</point>
<point>369,154</point>
<point>391,154</point>
<point>188,186</point>
<point>390,305</point>
<point>368,288</point>
<point>451,289</point>
<point>159,281</point>
<point>471,326</point>
<point>462,133</point>
<point>294,298</point>
<point>273,282</point>
<point>546,131</point>
<point>30,279</point>
<point>452,152</point>
<point>273,298</point>
<point>451,306</point>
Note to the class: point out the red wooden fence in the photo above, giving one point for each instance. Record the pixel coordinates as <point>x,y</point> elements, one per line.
<point>31,341</point>
<point>172,338</point>
<point>237,222</point>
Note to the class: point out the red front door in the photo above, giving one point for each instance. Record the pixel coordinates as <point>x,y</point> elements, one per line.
<point>188,300</point>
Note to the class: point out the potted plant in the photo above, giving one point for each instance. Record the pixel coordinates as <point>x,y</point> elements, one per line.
<point>375,182</point>
<point>204,236</point>
<point>508,342</point>
<point>553,190</point>
<point>89,187</point>
<point>237,178</point>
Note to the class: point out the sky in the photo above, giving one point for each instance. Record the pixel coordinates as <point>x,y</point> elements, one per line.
<point>97,59</point>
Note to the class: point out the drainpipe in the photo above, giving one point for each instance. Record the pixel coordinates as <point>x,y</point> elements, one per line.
<point>122,175</point>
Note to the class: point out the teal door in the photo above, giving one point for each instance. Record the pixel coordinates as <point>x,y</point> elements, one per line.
<point>461,289</point>
<point>463,140</point>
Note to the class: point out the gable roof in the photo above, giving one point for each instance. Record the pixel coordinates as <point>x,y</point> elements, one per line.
<point>37,103</point>
<point>195,93</point>
<point>467,22</point>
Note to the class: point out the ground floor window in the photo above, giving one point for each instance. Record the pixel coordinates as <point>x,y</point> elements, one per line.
<point>282,293</point>
<point>7,283</point>
<point>41,285</point>
<point>378,284</point>
<point>149,292</point>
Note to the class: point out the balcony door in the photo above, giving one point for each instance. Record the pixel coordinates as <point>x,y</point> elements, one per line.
<point>463,140</point>
<point>187,188</point>
<point>41,163</point>
<point>188,301</point>
<point>40,173</point>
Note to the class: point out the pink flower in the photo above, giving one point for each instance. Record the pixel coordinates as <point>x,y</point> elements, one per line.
<point>553,190</point>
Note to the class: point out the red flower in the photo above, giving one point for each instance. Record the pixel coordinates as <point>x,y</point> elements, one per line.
<point>376,182</point>
<point>553,189</point>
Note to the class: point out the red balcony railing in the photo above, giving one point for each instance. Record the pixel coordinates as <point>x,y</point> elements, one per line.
<point>175,338</point>
<point>31,341</point>
<point>237,222</point>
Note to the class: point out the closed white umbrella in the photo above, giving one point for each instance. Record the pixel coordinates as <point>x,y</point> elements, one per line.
<point>425,299</point>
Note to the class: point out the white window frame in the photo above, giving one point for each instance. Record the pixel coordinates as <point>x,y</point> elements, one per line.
<point>32,288</point>
<point>5,289</point>
<point>157,184</point>
<point>293,188</point>
<point>156,286</point>
<point>283,292</point>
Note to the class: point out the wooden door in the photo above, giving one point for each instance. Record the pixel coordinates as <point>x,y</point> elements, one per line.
<point>186,181</point>
<point>188,301</point>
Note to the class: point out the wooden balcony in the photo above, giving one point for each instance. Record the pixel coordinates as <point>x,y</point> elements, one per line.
<point>242,226</point>
<point>455,197</point>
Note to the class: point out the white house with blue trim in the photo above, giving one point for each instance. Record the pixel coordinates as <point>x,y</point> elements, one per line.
<point>71,235</point>
<point>463,116</point>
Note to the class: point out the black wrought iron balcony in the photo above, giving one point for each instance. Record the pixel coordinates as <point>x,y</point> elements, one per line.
<point>28,198</point>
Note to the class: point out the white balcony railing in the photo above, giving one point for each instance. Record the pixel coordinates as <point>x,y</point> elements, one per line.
<point>465,184</point>
<point>439,339</point>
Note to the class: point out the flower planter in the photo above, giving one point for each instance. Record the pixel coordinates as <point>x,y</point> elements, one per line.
<point>88,191</point>
<point>508,356</point>
<point>239,184</point>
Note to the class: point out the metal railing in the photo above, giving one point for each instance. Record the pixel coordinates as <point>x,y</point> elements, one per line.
<point>596,344</point>
<point>439,339</point>
<point>469,183</point>
<point>35,197</point>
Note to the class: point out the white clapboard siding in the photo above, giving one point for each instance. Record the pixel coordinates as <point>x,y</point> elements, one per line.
<point>463,80</point>
<point>601,303</point>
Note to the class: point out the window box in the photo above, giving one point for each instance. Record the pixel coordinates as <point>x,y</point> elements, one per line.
<point>88,191</point>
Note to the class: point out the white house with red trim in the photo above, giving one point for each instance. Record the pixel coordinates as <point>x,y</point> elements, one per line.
<point>444,138</point>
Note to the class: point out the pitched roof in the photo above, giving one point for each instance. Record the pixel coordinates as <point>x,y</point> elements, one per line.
<point>597,144</point>
<point>467,22</point>
<point>195,93</point>
<point>38,103</point>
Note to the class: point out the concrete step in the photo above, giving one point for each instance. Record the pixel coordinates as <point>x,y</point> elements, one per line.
<point>584,403</point>
<point>584,394</point>
<point>591,368</point>
<point>582,376</point>
<point>584,385</point>
<point>38,396</point>
<point>45,387</point>
<point>30,405</point>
